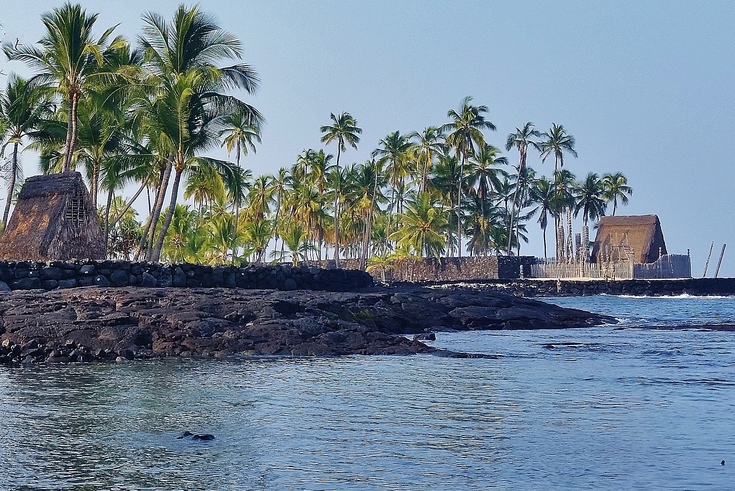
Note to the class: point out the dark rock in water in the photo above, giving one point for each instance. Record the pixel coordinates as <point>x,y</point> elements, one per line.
<point>424,336</point>
<point>203,437</point>
<point>95,323</point>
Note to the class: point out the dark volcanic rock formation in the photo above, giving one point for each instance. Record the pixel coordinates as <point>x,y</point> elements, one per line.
<point>83,324</point>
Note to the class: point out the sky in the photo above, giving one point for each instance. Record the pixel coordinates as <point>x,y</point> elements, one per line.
<point>645,88</point>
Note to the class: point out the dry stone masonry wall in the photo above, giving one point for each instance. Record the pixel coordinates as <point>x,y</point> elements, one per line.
<point>27,275</point>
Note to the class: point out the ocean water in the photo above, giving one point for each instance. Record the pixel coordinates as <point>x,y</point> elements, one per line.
<point>648,403</point>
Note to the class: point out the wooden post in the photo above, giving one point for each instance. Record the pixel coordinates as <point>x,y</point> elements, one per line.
<point>719,263</point>
<point>706,264</point>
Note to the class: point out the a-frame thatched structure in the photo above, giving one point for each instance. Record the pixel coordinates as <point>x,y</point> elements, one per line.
<point>636,239</point>
<point>53,220</point>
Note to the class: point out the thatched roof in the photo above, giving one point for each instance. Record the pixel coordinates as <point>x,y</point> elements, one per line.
<point>53,219</point>
<point>625,238</point>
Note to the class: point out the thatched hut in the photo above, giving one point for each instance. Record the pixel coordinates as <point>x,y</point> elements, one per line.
<point>53,220</point>
<point>636,239</point>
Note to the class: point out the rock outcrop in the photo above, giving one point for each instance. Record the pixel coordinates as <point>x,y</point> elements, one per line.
<point>95,323</point>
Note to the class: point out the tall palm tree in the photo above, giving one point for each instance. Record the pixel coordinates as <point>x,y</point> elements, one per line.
<point>70,58</point>
<point>239,134</point>
<point>616,188</point>
<point>427,146</point>
<point>23,108</point>
<point>542,193</point>
<point>466,137</point>
<point>343,130</point>
<point>188,89</point>
<point>485,173</point>
<point>521,140</point>
<point>555,142</point>
<point>393,152</point>
<point>589,199</point>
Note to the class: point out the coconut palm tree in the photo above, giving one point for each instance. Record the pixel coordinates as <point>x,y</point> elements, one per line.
<point>542,193</point>
<point>70,58</point>
<point>589,199</point>
<point>239,134</point>
<point>343,130</point>
<point>485,173</point>
<point>616,188</point>
<point>23,108</point>
<point>422,227</point>
<point>427,146</point>
<point>466,137</point>
<point>555,142</point>
<point>392,152</point>
<point>187,90</point>
<point>521,140</point>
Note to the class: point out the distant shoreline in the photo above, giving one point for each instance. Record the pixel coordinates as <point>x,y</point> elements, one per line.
<point>536,287</point>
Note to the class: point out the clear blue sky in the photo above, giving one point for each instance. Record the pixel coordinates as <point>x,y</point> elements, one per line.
<point>646,88</point>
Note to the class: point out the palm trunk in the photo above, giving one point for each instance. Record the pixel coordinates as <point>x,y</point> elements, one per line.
<point>71,133</point>
<point>459,203</point>
<point>169,216</point>
<point>336,209</point>
<point>544,236</point>
<point>11,185</point>
<point>157,208</point>
<point>107,219</point>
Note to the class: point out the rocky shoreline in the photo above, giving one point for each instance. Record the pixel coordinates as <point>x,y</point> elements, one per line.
<point>530,288</point>
<point>105,323</point>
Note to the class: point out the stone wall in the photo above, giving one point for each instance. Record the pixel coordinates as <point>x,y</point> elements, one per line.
<point>447,269</point>
<point>27,275</point>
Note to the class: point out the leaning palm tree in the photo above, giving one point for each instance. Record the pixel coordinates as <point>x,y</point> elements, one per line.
<point>343,130</point>
<point>23,108</point>
<point>70,58</point>
<point>187,92</point>
<point>616,188</point>
<point>521,140</point>
<point>466,137</point>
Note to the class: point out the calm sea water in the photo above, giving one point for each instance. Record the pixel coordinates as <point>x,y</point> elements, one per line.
<point>611,407</point>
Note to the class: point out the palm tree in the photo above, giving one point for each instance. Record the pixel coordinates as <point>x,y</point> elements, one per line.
<point>427,146</point>
<point>521,140</point>
<point>71,59</point>
<point>240,134</point>
<point>589,197</point>
<point>484,173</point>
<point>393,151</point>
<point>342,130</point>
<point>465,137</point>
<point>23,108</point>
<point>422,227</point>
<point>542,193</point>
<point>616,188</point>
<point>180,59</point>
<point>556,141</point>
